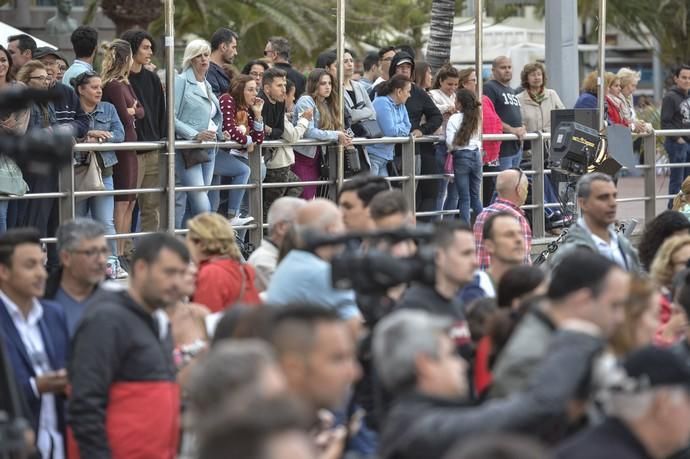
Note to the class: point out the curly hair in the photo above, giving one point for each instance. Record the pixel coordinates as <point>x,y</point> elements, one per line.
<point>214,235</point>
<point>117,61</point>
<point>641,291</point>
<point>657,230</point>
<point>662,266</point>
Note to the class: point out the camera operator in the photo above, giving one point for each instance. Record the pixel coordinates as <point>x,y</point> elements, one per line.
<point>455,261</point>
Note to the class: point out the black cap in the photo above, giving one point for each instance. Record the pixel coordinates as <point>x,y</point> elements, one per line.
<point>653,366</point>
<point>44,51</point>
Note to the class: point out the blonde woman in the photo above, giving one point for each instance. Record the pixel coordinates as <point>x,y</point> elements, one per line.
<point>672,258</point>
<point>197,117</point>
<point>117,61</point>
<point>223,278</point>
<point>629,79</point>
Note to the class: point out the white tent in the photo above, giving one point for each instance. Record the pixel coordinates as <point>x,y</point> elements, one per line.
<point>7,30</point>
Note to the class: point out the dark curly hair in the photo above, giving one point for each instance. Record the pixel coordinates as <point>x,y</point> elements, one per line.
<point>657,231</point>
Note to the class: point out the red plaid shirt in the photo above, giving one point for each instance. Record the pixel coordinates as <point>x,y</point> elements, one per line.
<point>500,205</point>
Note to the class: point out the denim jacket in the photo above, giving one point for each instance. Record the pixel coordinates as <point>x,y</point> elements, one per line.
<point>313,132</point>
<point>105,118</point>
<point>193,107</point>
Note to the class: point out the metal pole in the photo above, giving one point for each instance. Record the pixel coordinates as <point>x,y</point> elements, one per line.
<point>478,49</point>
<point>170,96</point>
<point>340,32</point>
<point>602,63</point>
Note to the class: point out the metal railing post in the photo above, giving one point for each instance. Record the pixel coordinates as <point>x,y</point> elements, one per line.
<point>170,96</point>
<point>334,160</point>
<point>256,199</point>
<point>649,174</point>
<point>538,217</point>
<point>409,186</point>
<point>66,185</point>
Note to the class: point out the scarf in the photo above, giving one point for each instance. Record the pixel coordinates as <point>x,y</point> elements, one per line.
<point>539,97</point>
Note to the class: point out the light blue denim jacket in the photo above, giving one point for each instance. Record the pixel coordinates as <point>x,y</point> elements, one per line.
<point>105,118</point>
<point>313,132</point>
<point>394,122</point>
<point>193,107</point>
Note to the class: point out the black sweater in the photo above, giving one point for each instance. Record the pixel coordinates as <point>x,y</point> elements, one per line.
<point>675,111</point>
<point>274,117</point>
<point>149,90</point>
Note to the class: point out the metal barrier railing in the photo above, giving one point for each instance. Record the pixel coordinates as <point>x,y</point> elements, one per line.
<point>408,178</point>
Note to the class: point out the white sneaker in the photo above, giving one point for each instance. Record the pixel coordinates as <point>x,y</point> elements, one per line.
<point>240,221</point>
<point>114,269</point>
<point>121,273</point>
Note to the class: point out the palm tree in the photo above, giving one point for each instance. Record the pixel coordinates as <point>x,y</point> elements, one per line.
<point>440,33</point>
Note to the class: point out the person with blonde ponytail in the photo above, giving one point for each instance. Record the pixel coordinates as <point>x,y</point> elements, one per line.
<point>117,61</point>
<point>464,142</point>
<point>223,278</point>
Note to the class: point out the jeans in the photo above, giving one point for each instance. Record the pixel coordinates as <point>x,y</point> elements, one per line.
<point>229,165</point>
<point>198,175</point>
<point>508,162</point>
<point>467,165</point>
<point>3,215</point>
<point>677,153</point>
<point>379,166</point>
<point>448,193</point>
<point>101,209</point>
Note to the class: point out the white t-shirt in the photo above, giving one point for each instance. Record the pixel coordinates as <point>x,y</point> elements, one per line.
<point>454,123</point>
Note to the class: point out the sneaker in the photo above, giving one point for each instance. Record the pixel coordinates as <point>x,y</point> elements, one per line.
<point>112,266</point>
<point>240,221</point>
<point>123,262</point>
<point>121,273</point>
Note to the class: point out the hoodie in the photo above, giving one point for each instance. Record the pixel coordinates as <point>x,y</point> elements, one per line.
<point>675,111</point>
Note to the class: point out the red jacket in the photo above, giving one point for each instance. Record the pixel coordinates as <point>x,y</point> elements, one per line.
<point>222,282</point>
<point>491,124</point>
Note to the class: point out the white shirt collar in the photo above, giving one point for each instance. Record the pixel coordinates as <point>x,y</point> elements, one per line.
<point>34,316</point>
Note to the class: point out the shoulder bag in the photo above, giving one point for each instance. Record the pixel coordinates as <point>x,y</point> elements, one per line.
<point>88,177</point>
<point>11,179</point>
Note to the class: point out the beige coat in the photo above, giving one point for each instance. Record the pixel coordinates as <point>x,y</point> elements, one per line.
<point>537,117</point>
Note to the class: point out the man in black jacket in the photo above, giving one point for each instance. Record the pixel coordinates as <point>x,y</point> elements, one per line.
<point>648,412</point>
<point>675,114</point>
<point>278,50</point>
<point>455,261</point>
<point>415,358</point>
<point>151,128</point>
<point>125,399</point>
<point>223,51</point>
<point>425,119</point>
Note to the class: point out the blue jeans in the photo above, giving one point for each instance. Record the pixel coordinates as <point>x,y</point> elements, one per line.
<point>101,209</point>
<point>229,165</point>
<point>677,153</point>
<point>467,165</point>
<point>198,175</point>
<point>508,162</point>
<point>448,193</point>
<point>379,166</point>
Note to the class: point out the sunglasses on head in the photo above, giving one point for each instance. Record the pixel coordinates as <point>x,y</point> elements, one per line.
<point>83,78</point>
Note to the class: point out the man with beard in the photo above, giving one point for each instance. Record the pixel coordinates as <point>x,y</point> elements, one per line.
<point>223,51</point>
<point>122,368</point>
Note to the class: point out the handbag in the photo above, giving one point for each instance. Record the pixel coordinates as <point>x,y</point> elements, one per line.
<point>11,179</point>
<point>88,177</point>
<point>194,156</point>
<point>448,166</point>
<point>367,128</point>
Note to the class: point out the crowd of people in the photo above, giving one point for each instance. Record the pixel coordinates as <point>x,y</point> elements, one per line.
<point>209,353</point>
<point>393,96</point>
<point>481,354</point>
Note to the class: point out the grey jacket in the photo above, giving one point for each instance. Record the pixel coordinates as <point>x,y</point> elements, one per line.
<point>521,355</point>
<point>419,426</point>
<point>580,237</point>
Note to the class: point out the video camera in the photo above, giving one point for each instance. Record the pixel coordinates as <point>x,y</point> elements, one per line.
<point>40,151</point>
<point>367,267</point>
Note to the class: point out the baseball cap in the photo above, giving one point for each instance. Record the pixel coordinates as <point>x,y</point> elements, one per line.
<point>653,366</point>
<point>44,51</point>
<point>404,60</point>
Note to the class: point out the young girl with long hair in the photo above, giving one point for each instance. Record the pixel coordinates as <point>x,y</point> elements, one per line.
<point>464,142</point>
<point>322,98</point>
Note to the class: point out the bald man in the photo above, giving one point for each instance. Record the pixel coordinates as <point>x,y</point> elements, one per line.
<point>511,188</point>
<point>281,217</point>
<point>507,106</point>
<point>305,276</point>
